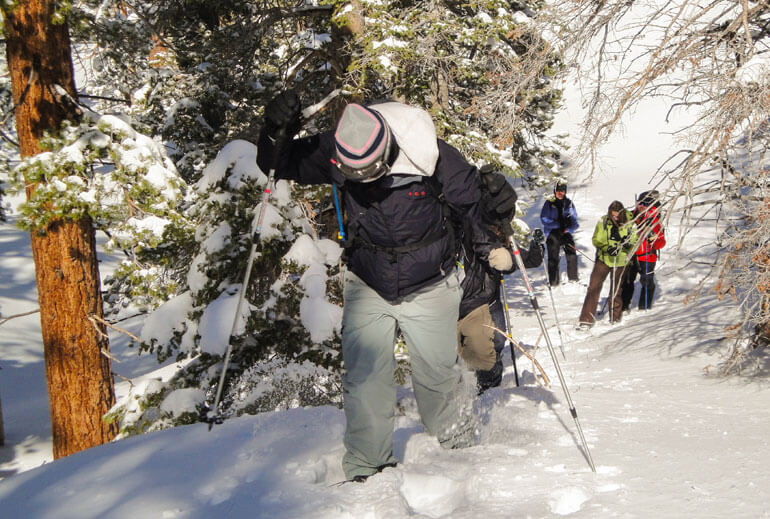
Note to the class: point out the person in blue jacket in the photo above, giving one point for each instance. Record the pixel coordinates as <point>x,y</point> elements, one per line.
<point>560,221</point>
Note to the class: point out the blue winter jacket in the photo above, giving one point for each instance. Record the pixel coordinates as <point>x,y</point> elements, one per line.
<point>555,218</point>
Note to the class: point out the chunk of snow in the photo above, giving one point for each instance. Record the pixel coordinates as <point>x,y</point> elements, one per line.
<point>238,156</point>
<point>569,500</point>
<point>184,400</point>
<point>320,317</point>
<point>431,495</point>
<point>304,252</point>
<point>217,322</point>
<point>168,318</point>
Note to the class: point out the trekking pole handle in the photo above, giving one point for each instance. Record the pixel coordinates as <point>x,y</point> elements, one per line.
<point>280,138</point>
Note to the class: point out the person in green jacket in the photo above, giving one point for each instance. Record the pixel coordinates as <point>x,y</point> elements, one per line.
<point>614,237</point>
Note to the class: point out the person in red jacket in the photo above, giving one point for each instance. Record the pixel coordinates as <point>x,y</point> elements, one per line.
<point>651,240</point>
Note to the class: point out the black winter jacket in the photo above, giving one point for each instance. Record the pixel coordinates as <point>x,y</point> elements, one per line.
<point>383,217</point>
<point>481,285</point>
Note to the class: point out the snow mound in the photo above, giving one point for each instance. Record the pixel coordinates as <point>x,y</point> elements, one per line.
<point>431,495</point>
<point>568,500</point>
<point>419,446</point>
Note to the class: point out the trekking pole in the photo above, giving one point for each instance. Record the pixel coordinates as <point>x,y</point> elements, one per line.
<point>280,140</point>
<point>555,314</point>
<point>606,304</point>
<point>533,301</point>
<point>586,256</point>
<point>504,299</point>
<point>247,275</point>
<point>611,303</point>
<point>646,281</point>
<point>603,308</point>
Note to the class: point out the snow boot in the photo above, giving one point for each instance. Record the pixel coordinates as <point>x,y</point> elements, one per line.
<point>361,478</point>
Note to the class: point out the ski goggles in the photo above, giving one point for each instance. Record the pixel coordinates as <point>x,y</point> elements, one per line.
<point>368,173</point>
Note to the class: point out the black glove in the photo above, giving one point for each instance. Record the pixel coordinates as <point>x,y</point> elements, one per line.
<point>627,246</point>
<point>613,251</point>
<point>498,196</point>
<point>615,233</point>
<point>283,114</point>
<point>538,237</point>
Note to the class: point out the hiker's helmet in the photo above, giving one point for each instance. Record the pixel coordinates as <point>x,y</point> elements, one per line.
<point>363,142</point>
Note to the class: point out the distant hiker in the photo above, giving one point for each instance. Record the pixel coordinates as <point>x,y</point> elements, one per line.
<point>614,238</point>
<point>481,308</point>
<point>396,180</point>
<point>560,221</point>
<point>651,240</point>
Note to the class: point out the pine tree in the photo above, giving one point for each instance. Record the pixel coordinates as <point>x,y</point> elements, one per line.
<point>200,74</point>
<point>80,387</point>
<point>199,106</point>
<point>480,68</point>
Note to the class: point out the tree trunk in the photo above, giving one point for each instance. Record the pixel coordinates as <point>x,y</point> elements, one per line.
<point>80,387</point>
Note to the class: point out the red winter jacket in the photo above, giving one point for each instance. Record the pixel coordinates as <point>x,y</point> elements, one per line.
<point>651,235</point>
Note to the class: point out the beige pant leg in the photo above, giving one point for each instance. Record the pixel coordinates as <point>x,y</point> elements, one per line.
<point>476,339</point>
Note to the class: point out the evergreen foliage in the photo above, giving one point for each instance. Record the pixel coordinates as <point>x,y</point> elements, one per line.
<point>479,68</point>
<point>122,180</point>
<point>194,75</point>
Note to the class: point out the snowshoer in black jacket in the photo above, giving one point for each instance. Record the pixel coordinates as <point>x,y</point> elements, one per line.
<point>396,179</point>
<point>481,308</point>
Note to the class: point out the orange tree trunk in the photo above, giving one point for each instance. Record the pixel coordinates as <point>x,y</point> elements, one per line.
<point>80,387</point>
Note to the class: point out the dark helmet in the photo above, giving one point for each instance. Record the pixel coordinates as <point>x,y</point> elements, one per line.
<point>560,186</point>
<point>648,198</point>
<point>363,142</point>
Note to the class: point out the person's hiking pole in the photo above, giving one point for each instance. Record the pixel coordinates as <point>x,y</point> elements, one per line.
<point>504,299</point>
<point>555,314</point>
<point>646,282</point>
<point>533,300</point>
<point>611,304</point>
<point>255,240</point>
<point>586,256</point>
<point>280,140</point>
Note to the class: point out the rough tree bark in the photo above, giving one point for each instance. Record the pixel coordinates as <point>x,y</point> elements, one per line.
<point>80,386</point>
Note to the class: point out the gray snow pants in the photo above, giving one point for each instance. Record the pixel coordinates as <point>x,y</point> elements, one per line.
<point>428,320</point>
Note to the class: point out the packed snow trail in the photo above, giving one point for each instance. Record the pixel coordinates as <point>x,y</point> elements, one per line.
<point>668,440</point>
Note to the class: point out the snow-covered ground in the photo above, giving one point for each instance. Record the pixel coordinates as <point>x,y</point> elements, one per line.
<point>669,438</point>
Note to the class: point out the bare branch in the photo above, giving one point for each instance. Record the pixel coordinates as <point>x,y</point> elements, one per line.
<point>6,319</point>
<point>94,319</point>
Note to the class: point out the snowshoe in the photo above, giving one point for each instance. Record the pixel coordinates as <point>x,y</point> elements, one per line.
<point>362,478</point>
<point>583,327</point>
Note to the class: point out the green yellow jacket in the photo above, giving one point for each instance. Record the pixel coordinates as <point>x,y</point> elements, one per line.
<point>603,240</point>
